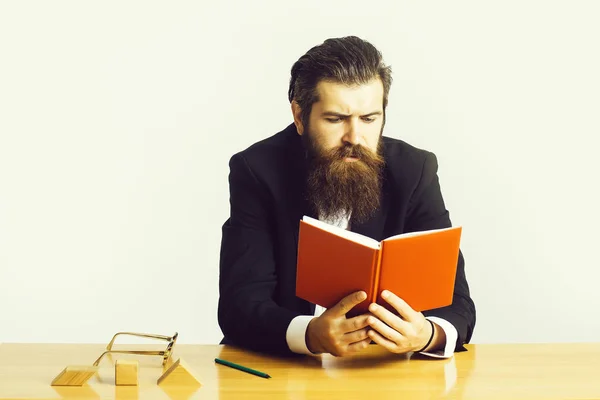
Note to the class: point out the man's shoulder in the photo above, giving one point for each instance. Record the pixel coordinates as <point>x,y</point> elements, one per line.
<point>276,156</point>
<point>399,153</point>
<point>281,142</point>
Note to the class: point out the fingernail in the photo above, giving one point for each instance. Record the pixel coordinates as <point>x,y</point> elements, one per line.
<point>385,294</point>
<point>373,307</point>
<point>370,320</point>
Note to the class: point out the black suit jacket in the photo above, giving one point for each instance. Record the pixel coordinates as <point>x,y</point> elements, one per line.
<point>257,281</point>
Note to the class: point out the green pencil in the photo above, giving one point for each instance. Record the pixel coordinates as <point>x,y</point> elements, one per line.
<point>242,368</point>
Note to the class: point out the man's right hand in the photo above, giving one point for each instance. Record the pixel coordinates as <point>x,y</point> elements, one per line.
<point>333,333</point>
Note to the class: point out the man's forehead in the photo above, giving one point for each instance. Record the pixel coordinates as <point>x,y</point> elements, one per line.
<point>346,99</point>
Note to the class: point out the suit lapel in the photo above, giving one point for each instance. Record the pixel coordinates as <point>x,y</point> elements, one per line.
<point>295,192</point>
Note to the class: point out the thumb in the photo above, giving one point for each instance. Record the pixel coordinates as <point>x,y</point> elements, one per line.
<point>348,302</point>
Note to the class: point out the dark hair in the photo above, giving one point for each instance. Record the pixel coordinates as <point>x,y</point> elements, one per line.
<point>348,60</point>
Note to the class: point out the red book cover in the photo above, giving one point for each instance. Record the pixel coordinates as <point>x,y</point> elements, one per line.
<point>419,267</point>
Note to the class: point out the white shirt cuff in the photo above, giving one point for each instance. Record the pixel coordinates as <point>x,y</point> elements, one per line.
<point>296,334</point>
<point>451,338</point>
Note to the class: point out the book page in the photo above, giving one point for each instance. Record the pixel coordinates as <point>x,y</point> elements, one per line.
<point>353,236</point>
<point>420,233</point>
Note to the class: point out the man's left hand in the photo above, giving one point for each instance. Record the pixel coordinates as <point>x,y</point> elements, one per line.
<point>399,334</point>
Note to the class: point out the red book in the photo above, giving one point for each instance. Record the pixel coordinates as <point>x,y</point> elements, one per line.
<point>419,267</point>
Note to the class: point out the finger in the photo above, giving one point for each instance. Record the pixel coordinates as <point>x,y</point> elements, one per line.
<point>355,323</point>
<point>390,318</point>
<point>357,336</point>
<point>380,340</point>
<point>405,311</point>
<point>354,347</point>
<point>385,330</point>
<point>348,302</point>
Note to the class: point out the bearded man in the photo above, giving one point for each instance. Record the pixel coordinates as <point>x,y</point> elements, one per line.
<point>334,164</point>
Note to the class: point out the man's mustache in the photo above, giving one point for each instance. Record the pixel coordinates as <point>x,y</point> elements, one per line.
<point>351,150</point>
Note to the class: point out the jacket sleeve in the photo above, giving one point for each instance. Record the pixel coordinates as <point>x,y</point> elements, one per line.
<point>247,313</point>
<point>427,211</point>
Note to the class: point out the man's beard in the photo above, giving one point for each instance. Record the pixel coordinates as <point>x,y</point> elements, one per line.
<point>337,188</point>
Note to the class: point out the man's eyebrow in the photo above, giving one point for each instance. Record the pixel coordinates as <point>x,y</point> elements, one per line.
<point>372,113</point>
<point>342,115</point>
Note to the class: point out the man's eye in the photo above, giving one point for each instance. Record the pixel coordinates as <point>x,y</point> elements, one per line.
<point>334,119</point>
<point>368,119</point>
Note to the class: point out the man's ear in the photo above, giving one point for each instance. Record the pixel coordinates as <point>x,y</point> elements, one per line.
<point>296,112</point>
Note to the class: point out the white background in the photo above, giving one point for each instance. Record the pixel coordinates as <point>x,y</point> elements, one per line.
<point>117,121</point>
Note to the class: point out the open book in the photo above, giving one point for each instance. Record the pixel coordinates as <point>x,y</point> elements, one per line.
<point>419,267</point>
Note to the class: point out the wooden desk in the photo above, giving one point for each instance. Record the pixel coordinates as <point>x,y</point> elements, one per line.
<point>539,371</point>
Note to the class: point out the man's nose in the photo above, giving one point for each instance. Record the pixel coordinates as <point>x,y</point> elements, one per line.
<point>352,136</point>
